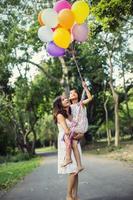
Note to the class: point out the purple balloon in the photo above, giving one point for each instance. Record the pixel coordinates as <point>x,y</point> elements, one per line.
<point>54,50</point>
<point>80,32</point>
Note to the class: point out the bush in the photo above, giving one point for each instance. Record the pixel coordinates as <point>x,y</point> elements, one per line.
<point>2,159</point>
<point>20,157</point>
<point>16,158</point>
<point>111,148</point>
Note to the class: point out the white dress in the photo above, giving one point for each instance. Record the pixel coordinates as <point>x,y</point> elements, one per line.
<point>70,168</point>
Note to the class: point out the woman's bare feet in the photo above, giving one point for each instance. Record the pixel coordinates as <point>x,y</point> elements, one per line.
<point>67,162</point>
<point>70,198</point>
<point>76,198</point>
<point>79,169</point>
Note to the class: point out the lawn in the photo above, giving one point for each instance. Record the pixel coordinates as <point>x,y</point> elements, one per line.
<point>11,172</point>
<point>46,150</point>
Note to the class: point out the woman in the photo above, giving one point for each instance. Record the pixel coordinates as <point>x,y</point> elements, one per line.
<point>62,116</point>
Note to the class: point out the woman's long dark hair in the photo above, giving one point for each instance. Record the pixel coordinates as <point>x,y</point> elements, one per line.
<point>58,109</point>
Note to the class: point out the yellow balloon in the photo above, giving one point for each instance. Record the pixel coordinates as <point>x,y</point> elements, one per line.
<point>62,37</point>
<point>81,11</point>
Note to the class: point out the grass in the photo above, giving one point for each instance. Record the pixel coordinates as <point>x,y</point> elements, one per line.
<point>11,172</point>
<point>14,168</point>
<point>46,150</point>
<point>124,152</point>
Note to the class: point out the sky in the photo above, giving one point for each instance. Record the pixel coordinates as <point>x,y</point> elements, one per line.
<point>41,54</point>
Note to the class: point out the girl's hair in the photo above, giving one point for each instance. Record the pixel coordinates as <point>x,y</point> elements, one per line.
<point>79,95</point>
<point>58,109</point>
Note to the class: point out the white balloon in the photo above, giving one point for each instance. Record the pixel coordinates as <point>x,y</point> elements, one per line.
<point>50,17</point>
<point>45,34</point>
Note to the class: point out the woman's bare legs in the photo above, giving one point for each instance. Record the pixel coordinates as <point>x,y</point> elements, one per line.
<point>75,189</point>
<point>70,186</point>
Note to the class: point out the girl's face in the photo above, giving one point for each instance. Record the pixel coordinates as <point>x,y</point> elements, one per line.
<point>65,102</point>
<point>73,95</point>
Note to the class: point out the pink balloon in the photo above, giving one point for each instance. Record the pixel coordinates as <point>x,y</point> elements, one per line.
<point>80,32</point>
<point>62,4</point>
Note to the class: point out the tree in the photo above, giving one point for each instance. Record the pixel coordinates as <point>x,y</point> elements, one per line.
<point>110,14</point>
<point>109,18</point>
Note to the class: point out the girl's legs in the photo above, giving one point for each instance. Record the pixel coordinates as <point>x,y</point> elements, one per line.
<point>77,156</point>
<point>68,159</point>
<point>70,186</point>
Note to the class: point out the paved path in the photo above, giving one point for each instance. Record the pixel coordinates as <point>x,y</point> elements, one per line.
<point>102,180</point>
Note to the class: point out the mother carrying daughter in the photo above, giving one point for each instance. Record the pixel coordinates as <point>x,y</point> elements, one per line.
<point>72,124</point>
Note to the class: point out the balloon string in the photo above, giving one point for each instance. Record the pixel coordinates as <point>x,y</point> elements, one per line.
<point>77,66</point>
<point>83,92</point>
<point>82,79</point>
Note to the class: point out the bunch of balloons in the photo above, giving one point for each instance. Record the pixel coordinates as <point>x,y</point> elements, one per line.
<point>62,25</point>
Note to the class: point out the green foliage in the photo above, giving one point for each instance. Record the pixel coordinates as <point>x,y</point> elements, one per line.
<point>126,121</point>
<point>10,173</point>
<point>20,157</point>
<point>102,129</point>
<point>111,13</point>
<point>7,132</point>
<point>47,130</point>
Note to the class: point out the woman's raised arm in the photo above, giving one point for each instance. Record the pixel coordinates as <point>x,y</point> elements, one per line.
<point>61,120</point>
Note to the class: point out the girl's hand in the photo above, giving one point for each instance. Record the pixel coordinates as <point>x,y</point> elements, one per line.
<point>84,84</point>
<point>75,134</point>
<point>89,96</point>
<point>79,136</point>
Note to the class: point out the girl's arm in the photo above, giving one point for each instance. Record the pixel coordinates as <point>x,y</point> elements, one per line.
<point>89,96</point>
<point>62,122</point>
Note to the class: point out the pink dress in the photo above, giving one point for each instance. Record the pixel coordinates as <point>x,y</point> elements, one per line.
<point>79,114</point>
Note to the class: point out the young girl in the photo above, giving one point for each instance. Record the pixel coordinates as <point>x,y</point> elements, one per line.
<point>79,124</point>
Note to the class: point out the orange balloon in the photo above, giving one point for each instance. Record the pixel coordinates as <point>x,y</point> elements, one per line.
<point>66,18</point>
<point>40,18</point>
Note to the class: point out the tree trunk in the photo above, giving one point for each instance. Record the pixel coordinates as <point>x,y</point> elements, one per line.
<point>30,147</point>
<point>107,122</point>
<point>116,121</point>
<point>110,135</point>
<point>65,81</point>
<point>115,95</point>
<point>33,142</point>
<point>20,143</point>
<point>116,111</point>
